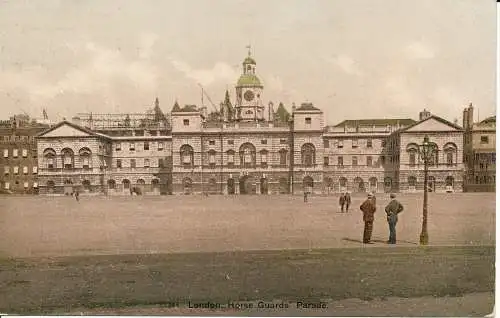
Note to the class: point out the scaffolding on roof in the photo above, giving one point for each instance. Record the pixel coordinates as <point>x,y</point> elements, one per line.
<point>148,120</point>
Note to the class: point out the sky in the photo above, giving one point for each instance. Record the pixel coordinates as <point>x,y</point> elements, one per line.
<point>353,59</point>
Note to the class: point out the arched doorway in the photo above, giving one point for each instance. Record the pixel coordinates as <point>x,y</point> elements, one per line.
<point>155,184</point>
<point>343,184</point>
<point>387,184</point>
<point>140,186</point>
<point>230,186</point>
<point>263,186</point>
<point>359,185</point>
<point>111,184</point>
<point>328,183</point>
<point>449,182</point>
<point>126,185</point>
<point>308,184</point>
<point>187,185</point>
<point>212,186</point>
<point>284,188</point>
<point>51,186</point>
<point>68,186</point>
<point>431,184</point>
<point>86,186</point>
<point>247,185</point>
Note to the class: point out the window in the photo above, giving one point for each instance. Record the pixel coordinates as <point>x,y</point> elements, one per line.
<point>354,143</point>
<point>186,122</point>
<point>382,160</point>
<point>14,153</point>
<point>86,162</point>
<point>146,145</point>
<point>25,170</point>
<point>132,146</point>
<point>160,145</point>
<point>7,185</point>
<point>118,146</point>
<point>230,157</point>
<point>6,153</point>
<point>354,161</point>
<point>6,169</point>
<point>449,158</point>
<point>283,141</point>
<point>369,143</point>
<point>263,141</point>
<point>308,120</point>
<point>326,161</point>
<point>118,163</point>
<point>211,157</point>
<point>484,139</point>
<point>132,163</point>
<point>187,155</point>
<point>340,144</point>
<point>50,163</point>
<point>369,161</point>
<point>283,157</point>
<point>211,142</point>
<point>16,170</point>
<point>230,142</point>
<point>25,153</point>
<point>413,158</point>
<point>326,143</point>
<point>160,163</point>
<point>25,184</point>
<point>308,155</point>
<point>35,170</point>
<point>340,161</point>
<point>146,163</point>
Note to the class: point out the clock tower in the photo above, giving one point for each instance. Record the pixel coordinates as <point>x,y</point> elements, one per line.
<point>249,106</point>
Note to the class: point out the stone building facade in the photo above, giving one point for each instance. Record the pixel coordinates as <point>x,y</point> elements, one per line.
<point>245,148</point>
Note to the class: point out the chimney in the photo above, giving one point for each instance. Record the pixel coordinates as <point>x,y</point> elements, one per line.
<point>294,107</point>
<point>424,115</point>
<point>465,118</point>
<point>470,117</point>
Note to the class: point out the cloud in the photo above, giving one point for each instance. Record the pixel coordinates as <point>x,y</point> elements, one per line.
<point>346,64</point>
<point>220,71</point>
<point>419,51</point>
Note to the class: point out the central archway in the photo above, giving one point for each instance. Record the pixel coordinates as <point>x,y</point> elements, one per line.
<point>264,186</point>
<point>230,186</point>
<point>247,185</point>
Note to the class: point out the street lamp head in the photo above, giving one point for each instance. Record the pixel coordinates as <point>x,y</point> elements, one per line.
<point>426,140</point>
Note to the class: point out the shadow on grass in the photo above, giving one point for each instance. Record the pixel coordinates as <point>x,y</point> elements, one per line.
<point>347,239</point>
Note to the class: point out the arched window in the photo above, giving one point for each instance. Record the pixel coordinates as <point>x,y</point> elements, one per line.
<point>412,182</point>
<point>373,183</point>
<point>449,181</point>
<point>126,184</point>
<point>283,155</point>
<point>308,153</point>
<point>450,150</point>
<point>359,185</point>
<point>230,157</point>
<point>263,158</point>
<point>387,184</point>
<point>343,182</point>
<point>86,185</point>
<point>155,183</point>
<point>211,157</point>
<point>412,150</point>
<point>111,184</point>
<point>187,155</point>
<point>85,155</point>
<point>68,158</point>
<point>49,158</point>
<point>247,155</point>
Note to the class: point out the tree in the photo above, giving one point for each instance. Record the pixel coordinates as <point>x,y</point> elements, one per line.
<point>281,114</point>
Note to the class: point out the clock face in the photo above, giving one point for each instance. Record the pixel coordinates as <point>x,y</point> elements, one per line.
<point>249,95</point>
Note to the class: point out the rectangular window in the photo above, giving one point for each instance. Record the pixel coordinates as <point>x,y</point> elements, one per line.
<point>369,143</point>
<point>118,163</point>
<point>369,161</point>
<point>6,169</point>
<point>186,122</point>
<point>211,142</point>
<point>86,162</point>
<point>340,161</point>
<point>146,145</point>
<point>382,160</point>
<point>326,143</point>
<point>340,144</point>
<point>326,161</point>
<point>354,161</point>
<point>283,141</point>
<point>283,158</point>
<point>132,146</point>
<point>132,163</point>
<point>25,184</point>
<point>14,153</point>
<point>211,158</point>
<point>263,157</point>
<point>16,170</point>
<point>25,153</point>
<point>354,143</point>
<point>118,146</point>
<point>160,163</point>
<point>146,163</point>
<point>308,120</point>
<point>50,163</point>
<point>263,141</point>
<point>35,170</point>
<point>160,145</point>
<point>230,142</point>
<point>6,153</point>
<point>7,185</point>
<point>484,139</point>
<point>25,170</point>
<point>230,158</point>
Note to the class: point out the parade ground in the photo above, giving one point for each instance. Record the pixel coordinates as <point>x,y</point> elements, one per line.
<point>60,255</point>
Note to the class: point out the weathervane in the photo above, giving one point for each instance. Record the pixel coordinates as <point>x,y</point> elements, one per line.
<point>249,47</point>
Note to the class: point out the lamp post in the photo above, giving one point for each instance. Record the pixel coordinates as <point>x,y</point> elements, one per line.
<point>427,152</point>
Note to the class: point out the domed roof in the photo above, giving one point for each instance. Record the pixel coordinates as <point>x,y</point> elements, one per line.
<point>249,80</point>
<point>249,60</point>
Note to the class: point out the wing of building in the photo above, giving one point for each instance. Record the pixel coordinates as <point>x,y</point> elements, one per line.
<point>246,147</point>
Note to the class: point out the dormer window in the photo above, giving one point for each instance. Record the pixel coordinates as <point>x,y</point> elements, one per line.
<point>186,122</point>
<point>308,120</point>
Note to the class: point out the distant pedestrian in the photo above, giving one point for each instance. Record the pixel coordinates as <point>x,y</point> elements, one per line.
<point>392,210</point>
<point>305,195</point>
<point>342,200</point>
<point>77,195</point>
<point>368,207</point>
<point>347,201</point>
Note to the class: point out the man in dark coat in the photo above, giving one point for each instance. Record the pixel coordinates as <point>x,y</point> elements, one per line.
<point>392,210</point>
<point>368,208</point>
<point>347,201</point>
<point>342,202</point>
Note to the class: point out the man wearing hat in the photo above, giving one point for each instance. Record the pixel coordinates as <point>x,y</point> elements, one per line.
<point>392,210</point>
<point>368,207</point>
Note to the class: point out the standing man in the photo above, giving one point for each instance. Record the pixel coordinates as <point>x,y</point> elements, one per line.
<point>342,202</point>
<point>347,201</point>
<point>392,210</point>
<point>368,208</point>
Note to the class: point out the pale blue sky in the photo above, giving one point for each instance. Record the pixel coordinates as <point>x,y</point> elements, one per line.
<point>353,59</point>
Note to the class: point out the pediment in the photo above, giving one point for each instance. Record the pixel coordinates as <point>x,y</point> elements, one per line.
<point>433,124</point>
<point>66,130</point>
